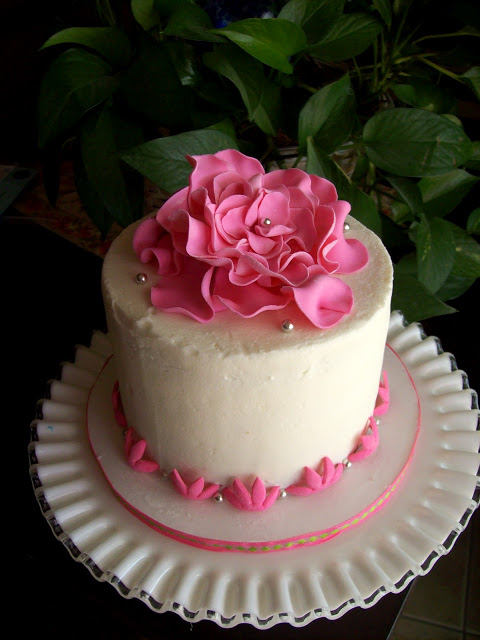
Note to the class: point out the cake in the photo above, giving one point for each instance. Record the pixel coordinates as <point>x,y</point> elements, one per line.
<point>248,321</point>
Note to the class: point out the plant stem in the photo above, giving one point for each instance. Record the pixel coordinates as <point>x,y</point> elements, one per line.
<point>448,73</point>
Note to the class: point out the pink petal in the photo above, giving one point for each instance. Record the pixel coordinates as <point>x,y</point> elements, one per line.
<point>246,166</point>
<point>196,488</point>
<point>258,492</point>
<point>146,466</point>
<point>260,244</point>
<point>128,442</point>
<point>205,169</point>
<point>328,471</point>
<point>209,491</point>
<point>323,189</point>
<point>351,255</point>
<point>187,293</point>
<point>313,479</point>
<point>288,178</point>
<point>147,235</point>
<point>246,301</point>
<point>338,473</point>
<point>274,206</point>
<point>178,483</point>
<point>383,398</point>
<point>272,496</point>
<point>232,498</point>
<point>368,443</point>
<point>242,492</point>
<point>198,241</point>
<point>325,300</point>
<point>137,451</point>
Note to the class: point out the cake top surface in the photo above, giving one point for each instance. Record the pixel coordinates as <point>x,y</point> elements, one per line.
<point>228,331</point>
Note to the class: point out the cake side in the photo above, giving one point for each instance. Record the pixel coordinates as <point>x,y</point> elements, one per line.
<point>238,397</point>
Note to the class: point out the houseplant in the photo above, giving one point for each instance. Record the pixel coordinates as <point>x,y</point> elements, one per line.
<point>364,93</point>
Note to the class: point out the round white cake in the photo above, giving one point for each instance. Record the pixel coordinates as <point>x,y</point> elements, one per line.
<point>238,397</point>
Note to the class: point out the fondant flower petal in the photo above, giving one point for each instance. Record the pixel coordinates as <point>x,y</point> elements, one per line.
<point>249,300</point>
<point>258,492</point>
<point>188,297</point>
<point>325,300</point>
<point>196,488</point>
<point>179,483</point>
<point>312,479</point>
<point>271,498</point>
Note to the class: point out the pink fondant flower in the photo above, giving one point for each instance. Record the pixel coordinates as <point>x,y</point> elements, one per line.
<point>314,481</point>
<point>258,500</point>
<point>196,490</point>
<point>134,452</point>
<point>368,442</point>
<point>240,239</point>
<point>383,397</point>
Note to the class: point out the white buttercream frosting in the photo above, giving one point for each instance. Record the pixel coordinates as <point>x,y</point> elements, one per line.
<point>240,397</point>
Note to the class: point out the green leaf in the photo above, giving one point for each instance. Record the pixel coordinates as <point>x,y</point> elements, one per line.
<point>472,78</point>
<point>75,82</point>
<point>168,7</point>
<point>467,253</point>
<point>454,286</point>
<point>91,200</point>
<point>109,42</point>
<point>363,207</point>
<point>182,54</point>
<point>414,300</point>
<point>408,191</point>
<point>415,143</point>
<point>384,8</point>
<point>191,22</point>
<point>473,162</point>
<point>225,126</point>
<point>151,87</point>
<point>99,143</point>
<point>473,222</point>
<point>350,35</point>
<point>435,252</point>
<point>260,96</point>
<point>270,40</point>
<point>145,13</point>
<point>418,92</point>
<point>328,116</point>
<point>314,16</point>
<point>442,194</point>
<point>164,162</point>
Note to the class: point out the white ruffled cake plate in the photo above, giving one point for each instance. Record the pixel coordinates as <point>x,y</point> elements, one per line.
<point>74,470</point>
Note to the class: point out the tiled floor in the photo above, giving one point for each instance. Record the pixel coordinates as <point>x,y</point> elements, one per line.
<point>445,604</point>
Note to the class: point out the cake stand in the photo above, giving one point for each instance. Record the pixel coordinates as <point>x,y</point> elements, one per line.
<point>430,506</point>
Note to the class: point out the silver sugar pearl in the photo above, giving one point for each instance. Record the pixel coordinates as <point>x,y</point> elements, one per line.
<point>287,326</point>
<point>377,420</point>
<point>346,463</point>
<point>141,278</point>
<point>346,226</point>
<point>283,494</point>
<point>218,497</point>
<point>267,222</point>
